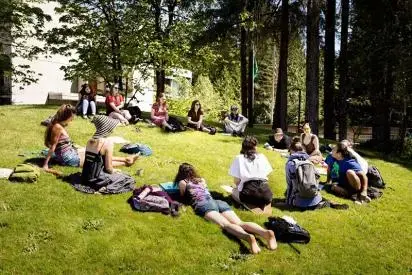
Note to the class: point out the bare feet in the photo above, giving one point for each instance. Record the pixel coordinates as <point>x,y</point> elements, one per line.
<point>270,238</point>
<point>253,244</point>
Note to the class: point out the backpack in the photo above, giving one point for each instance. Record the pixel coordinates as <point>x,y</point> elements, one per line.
<point>374,177</point>
<point>135,111</point>
<point>306,180</point>
<point>136,148</point>
<point>154,201</point>
<point>287,232</point>
<point>177,124</point>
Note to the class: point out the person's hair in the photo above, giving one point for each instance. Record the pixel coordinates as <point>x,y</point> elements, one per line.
<point>63,113</point>
<point>306,124</point>
<point>83,89</point>
<point>249,147</point>
<point>112,88</point>
<point>187,171</point>
<point>342,148</point>
<point>158,97</point>
<point>347,142</point>
<point>296,139</point>
<point>192,109</point>
<point>278,131</point>
<point>296,146</point>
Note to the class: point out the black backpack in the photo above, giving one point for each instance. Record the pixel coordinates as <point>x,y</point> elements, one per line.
<point>374,177</point>
<point>176,123</point>
<point>287,232</point>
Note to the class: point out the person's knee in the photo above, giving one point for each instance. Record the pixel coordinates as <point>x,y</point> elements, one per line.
<point>353,179</point>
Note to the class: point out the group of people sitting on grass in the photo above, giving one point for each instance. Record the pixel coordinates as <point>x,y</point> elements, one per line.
<point>249,169</point>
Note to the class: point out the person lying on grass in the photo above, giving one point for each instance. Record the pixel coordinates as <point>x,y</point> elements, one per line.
<point>58,141</point>
<point>98,169</point>
<point>193,187</point>
<point>351,179</point>
<point>278,141</point>
<point>250,171</point>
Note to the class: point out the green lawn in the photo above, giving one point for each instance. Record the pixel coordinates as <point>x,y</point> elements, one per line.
<point>49,228</point>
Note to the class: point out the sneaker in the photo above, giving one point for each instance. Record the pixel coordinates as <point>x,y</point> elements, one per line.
<point>364,198</point>
<point>84,117</point>
<point>212,132</point>
<point>234,134</point>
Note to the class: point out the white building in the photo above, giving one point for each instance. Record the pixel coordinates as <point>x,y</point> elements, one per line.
<point>51,86</point>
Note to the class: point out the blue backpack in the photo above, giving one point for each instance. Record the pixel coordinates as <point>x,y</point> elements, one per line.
<point>136,148</point>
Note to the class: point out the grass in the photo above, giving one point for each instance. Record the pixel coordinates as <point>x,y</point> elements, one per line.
<point>50,228</point>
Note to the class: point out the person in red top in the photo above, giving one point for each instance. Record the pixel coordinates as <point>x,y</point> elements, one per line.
<point>114,103</point>
<point>160,114</point>
<point>195,118</point>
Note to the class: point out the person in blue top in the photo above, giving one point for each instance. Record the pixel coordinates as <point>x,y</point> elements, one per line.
<point>351,180</point>
<point>292,195</point>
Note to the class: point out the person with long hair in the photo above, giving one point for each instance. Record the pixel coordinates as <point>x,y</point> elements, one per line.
<point>98,169</point>
<point>310,143</point>
<point>195,118</point>
<point>160,113</point>
<point>194,188</point>
<point>114,103</point>
<point>250,171</point>
<point>87,99</point>
<point>58,141</point>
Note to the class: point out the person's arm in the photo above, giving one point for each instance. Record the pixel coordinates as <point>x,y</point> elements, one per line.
<point>108,153</point>
<point>236,181</point>
<point>166,113</point>
<point>56,132</point>
<point>182,188</point>
<point>199,123</point>
<point>121,103</point>
<point>316,144</point>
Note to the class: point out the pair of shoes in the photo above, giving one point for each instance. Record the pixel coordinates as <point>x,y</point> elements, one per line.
<point>212,132</point>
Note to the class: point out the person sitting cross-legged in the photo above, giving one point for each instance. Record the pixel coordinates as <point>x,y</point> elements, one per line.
<point>351,180</point>
<point>235,123</point>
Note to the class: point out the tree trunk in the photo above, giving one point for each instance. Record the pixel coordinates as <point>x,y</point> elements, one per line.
<point>312,65</point>
<point>243,71</point>
<point>329,72</point>
<point>343,71</point>
<point>160,82</point>
<point>251,87</point>
<point>281,105</point>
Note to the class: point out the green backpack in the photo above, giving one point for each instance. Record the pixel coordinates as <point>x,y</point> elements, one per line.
<point>25,173</point>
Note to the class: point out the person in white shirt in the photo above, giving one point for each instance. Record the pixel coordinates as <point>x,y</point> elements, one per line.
<point>250,171</point>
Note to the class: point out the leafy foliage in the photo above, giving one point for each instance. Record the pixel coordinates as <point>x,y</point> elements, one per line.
<point>20,21</point>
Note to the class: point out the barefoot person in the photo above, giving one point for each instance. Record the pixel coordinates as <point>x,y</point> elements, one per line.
<point>250,171</point>
<point>98,170</point>
<point>57,139</point>
<point>192,186</point>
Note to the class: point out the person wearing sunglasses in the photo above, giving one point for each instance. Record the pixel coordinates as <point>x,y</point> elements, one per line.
<point>114,103</point>
<point>195,119</point>
<point>235,123</point>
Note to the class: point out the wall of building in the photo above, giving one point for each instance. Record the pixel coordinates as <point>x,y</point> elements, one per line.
<point>51,78</point>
